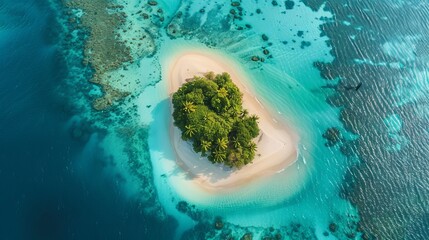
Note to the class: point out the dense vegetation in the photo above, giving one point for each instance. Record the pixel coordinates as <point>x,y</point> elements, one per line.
<point>208,110</point>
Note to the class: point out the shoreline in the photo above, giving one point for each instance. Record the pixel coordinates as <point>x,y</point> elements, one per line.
<point>277,143</point>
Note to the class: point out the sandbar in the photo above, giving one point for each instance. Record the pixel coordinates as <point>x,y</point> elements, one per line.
<point>276,144</point>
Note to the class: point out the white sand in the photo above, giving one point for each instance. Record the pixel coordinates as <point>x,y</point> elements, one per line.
<point>277,144</point>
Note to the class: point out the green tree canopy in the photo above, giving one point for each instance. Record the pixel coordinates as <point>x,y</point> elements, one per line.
<point>208,110</point>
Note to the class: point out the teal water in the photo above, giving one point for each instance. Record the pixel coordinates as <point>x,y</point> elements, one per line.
<point>112,173</point>
<point>288,83</point>
<point>297,184</point>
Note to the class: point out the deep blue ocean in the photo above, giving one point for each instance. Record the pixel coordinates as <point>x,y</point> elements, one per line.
<point>42,195</point>
<point>46,192</point>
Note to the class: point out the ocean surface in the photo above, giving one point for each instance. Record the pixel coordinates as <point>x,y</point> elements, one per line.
<point>84,126</point>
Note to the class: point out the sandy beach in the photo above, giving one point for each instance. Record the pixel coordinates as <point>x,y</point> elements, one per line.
<point>277,143</point>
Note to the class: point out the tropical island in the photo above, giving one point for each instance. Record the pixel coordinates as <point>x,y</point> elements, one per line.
<point>275,143</point>
<point>209,112</point>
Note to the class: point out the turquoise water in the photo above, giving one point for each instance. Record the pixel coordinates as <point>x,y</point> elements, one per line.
<point>112,173</point>
<point>307,192</point>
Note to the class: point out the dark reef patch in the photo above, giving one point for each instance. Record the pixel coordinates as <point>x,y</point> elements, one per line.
<point>106,47</point>
<point>289,4</point>
<point>305,44</point>
<point>333,136</point>
<point>210,230</point>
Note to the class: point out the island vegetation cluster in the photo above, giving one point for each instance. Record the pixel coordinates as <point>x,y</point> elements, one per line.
<point>209,112</point>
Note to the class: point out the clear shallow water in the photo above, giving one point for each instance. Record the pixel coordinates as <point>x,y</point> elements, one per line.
<point>87,174</point>
<point>263,202</point>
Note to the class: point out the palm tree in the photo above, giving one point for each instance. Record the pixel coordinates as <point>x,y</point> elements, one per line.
<point>219,156</point>
<point>222,143</point>
<point>210,75</point>
<point>188,107</point>
<point>254,117</point>
<point>206,116</point>
<point>222,92</point>
<point>252,146</point>
<point>190,130</point>
<point>236,110</point>
<point>236,142</point>
<point>244,112</point>
<point>205,145</point>
<point>234,156</point>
